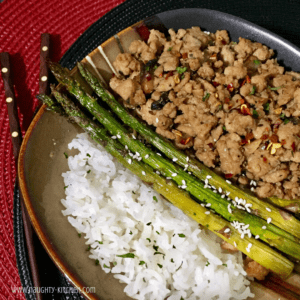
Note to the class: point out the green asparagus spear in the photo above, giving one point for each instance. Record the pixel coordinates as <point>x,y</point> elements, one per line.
<point>278,217</point>
<point>259,227</point>
<point>52,105</point>
<point>256,250</point>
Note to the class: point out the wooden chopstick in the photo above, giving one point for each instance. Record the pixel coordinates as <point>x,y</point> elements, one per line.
<point>16,135</point>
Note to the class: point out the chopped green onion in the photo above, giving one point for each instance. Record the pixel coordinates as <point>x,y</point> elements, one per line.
<point>160,265</point>
<point>207,263</point>
<point>255,114</point>
<point>155,199</point>
<point>253,90</point>
<point>141,263</point>
<point>127,255</point>
<point>181,70</point>
<point>105,266</point>
<point>97,262</point>
<point>66,155</point>
<point>170,49</point>
<point>256,62</point>
<point>206,96</point>
<point>181,235</point>
<point>275,88</point>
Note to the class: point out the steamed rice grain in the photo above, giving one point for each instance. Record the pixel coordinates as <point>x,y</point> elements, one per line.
<point>170,255</point>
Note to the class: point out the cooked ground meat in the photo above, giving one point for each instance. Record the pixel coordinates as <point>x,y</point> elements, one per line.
<point>232,103</point>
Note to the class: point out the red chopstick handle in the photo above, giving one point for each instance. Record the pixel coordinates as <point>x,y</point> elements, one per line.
<point>14,124</point>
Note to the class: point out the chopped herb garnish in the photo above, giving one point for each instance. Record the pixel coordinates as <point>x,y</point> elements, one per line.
<point>224,128</point>
<point>130,232</point>
<point>65,186</point>
<point>207,263</point>
<point>286,120</point>
<point>144,280</point>
<point>267,107</point>
<point>160,265</point>
<point>127,255</point>
<point>147,68</point>
<point>155,247</point>
<point>154,241</point>
<point>181,235</point>
<point>256,62</point>
<point>174,247</point>
<point>195,214</point>
<point>89,171</point>
<point>182,76</point>
<point>274,88</point>
<point>97,262</point>
<point>115,263</point>
<point>181,298</point>
<point>156,252</point>
<point>157,232</point>
<point>255,114</point>
<point>207,225</point>
<point>181,70</point>
<point>220,107</point>
<point>141,263</point>
<point>79,234</point>
<point>225,265</point>
<point>234,43</point>
<point>170,49</point>
<point>133,192</point>
<point>105,266</point>
<point>148,240</point>
<point>253,90</point>
<point>282,116</point>
<point>100,242</point>
<point>206,96</point>
<point>172,260</point>
<point>88,155</point>
<point>66,155</point>
<point>89,248</point>
<point>155,67</point>
<point>148,224</point>
<point>155,199</point>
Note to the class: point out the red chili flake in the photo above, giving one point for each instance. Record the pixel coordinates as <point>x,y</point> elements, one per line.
<point>143,31</point>
<point>230,87</point>
<point>294,147</point>
<point>184,55</point>
<point>242,101</point>
<point>215,84</point>
<point>160,75</point>
<point>228,175</point>
<point>283,142</point>
<point>184,142</point>
<point>226,100</point>
<point>243,142</point>
<point>113,75</point>
<point>224,42</point>
<point>211,146</point>
<point>148,76</point>
<point>245,110</point>
<point>265,159</point>
<point>264,137</point>
<point>248,79</point>
<point>169,74</point>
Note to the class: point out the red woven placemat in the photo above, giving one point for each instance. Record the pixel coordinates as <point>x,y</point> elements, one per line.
<point>21,24</point>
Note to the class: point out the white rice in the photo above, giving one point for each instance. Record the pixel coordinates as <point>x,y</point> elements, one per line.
<point>109,205</point>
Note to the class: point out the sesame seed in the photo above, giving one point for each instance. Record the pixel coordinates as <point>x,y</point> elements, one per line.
<point>187,158</point>
<point>126,147</point>
<point>143,172</point>
<point>235,245</point>
<point>214,191</point>
<point>118,136</point>
<point>168,178</point>
<point>174,174</point>
<point>129,161</point>
<point>206,181</point>
<point>269,220</point>
<point>264,227</point>
<point>183,182</point>
<point>137,153</point>
<point>175,159</point>
<point>207,212</point>
<point>225,149</point>
<point>131,154</point>
<point>268,209</point>
<point>113,137</point>
<point>229,182</point>
<point>254,183</point>
<point>205,186</point>
<point>248,250</point>
<point>252,189</point>
<point>213,187</point>
<point>223,196</point>
<point>157,172</point>
<point>257,237</point>
<point>158,154</point>
<point>134,137</point>
<point>249,245</point>
<point>202,204</point>
<point>147,156</point>
<point>229,208</point>
<point>208,205</point>
<point>227,230</point>
<point>220,190</point>
<point>241,207</point>
<point>249,234</point>
<point>189,173</point>
<point>156,120</point>
<point>208,177</point>
<point>228,193</point>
